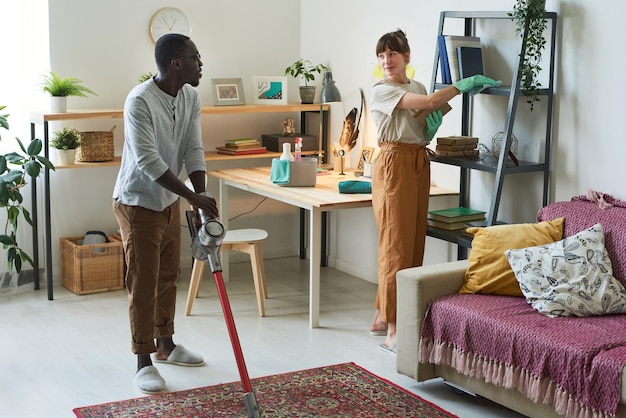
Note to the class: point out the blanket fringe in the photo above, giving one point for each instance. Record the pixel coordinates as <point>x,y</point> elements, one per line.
<point>510,377</point>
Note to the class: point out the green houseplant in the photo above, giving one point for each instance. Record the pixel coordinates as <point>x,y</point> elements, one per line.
<point>66,141</point>
<point>530,25</point>
<point>59,87</point>
<point>306,70</point>
<point>28,164</point>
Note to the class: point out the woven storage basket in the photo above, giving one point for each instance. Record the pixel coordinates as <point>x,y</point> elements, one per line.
<point>91,268</point>
<point>96,146</point>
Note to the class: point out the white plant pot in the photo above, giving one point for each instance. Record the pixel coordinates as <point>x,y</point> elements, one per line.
<point>58,104</point>
<point>66,156</point>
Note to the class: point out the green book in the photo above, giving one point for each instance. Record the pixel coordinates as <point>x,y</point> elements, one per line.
<point>459,214</point>
<point>240,141</point>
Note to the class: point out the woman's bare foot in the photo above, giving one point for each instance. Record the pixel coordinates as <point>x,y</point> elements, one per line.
<point>390,341</point>
<point>378,327</point>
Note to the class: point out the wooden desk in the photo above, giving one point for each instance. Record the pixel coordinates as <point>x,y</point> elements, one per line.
<point>324,197</point>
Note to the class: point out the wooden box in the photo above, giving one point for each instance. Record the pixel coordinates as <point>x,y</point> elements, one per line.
<point>274,142</point>
<point>91,268</point>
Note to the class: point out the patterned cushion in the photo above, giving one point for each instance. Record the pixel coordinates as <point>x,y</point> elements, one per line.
<point>571,277</point>
<point>581,214</point>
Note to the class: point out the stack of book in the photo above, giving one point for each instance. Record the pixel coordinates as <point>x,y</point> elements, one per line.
<point>457,146</point>
<point>454,218</point>
<point>241,146</point>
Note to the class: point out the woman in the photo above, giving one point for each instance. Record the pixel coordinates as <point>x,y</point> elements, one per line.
<point>401,177</point>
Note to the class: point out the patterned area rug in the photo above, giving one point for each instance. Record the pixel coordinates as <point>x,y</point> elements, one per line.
<point>342,390</point>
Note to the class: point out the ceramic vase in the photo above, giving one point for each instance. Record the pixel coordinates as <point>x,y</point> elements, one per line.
<point>58,104</point>
<point>307,94</point>
<point>66,156</point>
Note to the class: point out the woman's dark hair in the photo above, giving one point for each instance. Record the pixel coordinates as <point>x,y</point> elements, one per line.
<point>168,47</point>
<point>395,41</point>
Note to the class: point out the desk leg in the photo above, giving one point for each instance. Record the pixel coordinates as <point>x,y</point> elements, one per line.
<point>223,207</point>
<point>323,245</point>
<point>302,251</point>
<point>314,267</point>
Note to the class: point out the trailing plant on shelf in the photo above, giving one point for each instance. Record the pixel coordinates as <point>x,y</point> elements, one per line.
<point>529,22</point>
<point>60,87</point>
<point>66,138</point>
<point>28,164</point>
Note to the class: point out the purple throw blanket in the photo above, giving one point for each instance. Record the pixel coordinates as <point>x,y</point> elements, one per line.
<point>571,363</point>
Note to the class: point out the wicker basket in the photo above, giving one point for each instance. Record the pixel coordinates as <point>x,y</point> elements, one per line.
<point>91,268</point>
<point>96,146</point>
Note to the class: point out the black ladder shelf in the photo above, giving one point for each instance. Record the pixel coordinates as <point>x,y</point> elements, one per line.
<point>501,166</point>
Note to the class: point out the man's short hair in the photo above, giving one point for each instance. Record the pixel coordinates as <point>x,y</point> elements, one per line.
<point>169,47</point>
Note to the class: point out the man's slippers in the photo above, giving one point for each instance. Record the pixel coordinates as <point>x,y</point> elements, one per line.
<point>182,357</point>
<point>148,380</point>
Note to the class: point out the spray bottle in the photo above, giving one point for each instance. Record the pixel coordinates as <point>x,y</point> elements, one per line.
<point>298,154</point>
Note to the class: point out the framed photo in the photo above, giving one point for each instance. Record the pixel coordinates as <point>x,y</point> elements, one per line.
<point>365,156</point>
<point>228,91</point>
<point>270,90</point>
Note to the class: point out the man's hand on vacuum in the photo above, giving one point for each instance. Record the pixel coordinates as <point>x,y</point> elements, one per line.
<point>204,202</point>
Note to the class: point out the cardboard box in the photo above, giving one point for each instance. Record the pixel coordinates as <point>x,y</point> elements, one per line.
<point>274,142</point>
<point>91,268</point>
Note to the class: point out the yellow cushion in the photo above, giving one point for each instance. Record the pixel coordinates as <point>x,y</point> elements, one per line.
<point>489,271</point>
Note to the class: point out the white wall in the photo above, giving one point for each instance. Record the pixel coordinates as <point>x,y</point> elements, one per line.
<point>107,45</point>
<point>588,148</point>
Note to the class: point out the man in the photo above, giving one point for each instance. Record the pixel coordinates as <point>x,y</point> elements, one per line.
<point>162,132</point>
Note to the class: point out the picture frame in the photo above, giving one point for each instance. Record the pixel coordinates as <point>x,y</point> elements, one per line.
<point>365,156</point>
<point>269,90</point>
<point>228,91</point>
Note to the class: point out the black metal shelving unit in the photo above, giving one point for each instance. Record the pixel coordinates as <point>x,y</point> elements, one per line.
<point>500,166</point>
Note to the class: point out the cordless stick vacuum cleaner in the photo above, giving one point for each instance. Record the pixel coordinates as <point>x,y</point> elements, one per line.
<point>206,246</point>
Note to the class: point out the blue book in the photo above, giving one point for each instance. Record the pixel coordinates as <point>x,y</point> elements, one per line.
<point>444,65</point>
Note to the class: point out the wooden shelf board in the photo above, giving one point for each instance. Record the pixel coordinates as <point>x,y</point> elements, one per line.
<point>40,117</point>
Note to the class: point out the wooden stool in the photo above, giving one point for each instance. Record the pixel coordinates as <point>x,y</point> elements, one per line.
<point>245,241</point>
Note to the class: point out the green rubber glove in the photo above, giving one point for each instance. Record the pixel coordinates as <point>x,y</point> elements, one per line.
<point>433,122</point>
<point>475,84</point>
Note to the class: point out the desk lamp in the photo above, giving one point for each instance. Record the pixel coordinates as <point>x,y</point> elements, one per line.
<point>330,93</point>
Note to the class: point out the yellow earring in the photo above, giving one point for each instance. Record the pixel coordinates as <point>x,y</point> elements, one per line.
<point>379,73</point>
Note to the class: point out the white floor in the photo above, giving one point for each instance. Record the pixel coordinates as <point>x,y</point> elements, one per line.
<point>75,350</point>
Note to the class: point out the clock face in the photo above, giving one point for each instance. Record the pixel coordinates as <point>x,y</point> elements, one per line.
<point>169,20</point>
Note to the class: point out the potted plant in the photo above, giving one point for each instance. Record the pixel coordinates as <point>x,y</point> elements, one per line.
<point>145,77</point>
<point>59,88</point>
<point>306,70</point>
<point>66,141</point>
<point>12,180</point>
<point>530,25</point>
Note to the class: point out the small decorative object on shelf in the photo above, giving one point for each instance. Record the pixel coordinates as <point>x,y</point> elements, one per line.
<point>288,127</point>
<point>496,144</point>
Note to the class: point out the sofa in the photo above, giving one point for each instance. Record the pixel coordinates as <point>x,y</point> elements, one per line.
<point>525,350</point>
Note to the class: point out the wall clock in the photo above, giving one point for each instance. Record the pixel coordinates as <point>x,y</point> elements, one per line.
<point>169,20</point>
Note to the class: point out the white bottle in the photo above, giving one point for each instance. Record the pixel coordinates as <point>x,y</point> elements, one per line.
<point>298,156</point>
<point>286,155</point>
